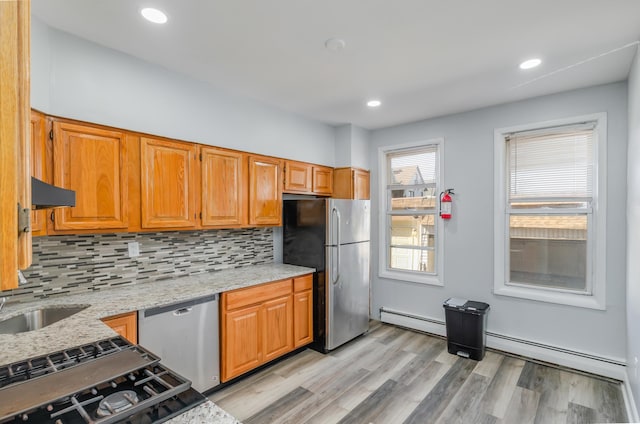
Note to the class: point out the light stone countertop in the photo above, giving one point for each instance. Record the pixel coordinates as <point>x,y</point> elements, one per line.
<point>86,327</point>
<point>206,413</point>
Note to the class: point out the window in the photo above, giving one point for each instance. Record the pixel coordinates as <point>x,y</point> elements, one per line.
<point>411,247</point>
<point>549,212</point>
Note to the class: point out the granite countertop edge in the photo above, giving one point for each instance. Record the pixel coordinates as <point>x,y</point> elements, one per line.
<point>86,326</point>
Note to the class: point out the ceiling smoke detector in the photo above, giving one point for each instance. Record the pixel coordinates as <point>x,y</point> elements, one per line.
<point>335,44</point>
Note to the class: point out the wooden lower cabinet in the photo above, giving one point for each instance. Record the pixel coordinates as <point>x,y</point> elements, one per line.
<point>241,341</point>
<point>261,323</point>
<point>277,331</point>
<point>124,324</point>
<point>302,311</point>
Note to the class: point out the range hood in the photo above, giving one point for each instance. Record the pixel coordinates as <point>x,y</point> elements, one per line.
<point>45,195</point>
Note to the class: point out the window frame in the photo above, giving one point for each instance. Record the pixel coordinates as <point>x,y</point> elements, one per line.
<point>596,226</point>
<point>384,270</point>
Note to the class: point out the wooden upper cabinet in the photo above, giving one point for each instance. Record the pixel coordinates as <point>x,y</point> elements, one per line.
<point>168,179</point>
<point>39,168</point>
<point>361,184</point>
<point>265,191</point>
<point>298,177</point>
<point>91,161</point>
<point>351,183</point>
<point>15,169</point>
<point>223,185</point>
<point>306,178</point>
<point>322,180</point>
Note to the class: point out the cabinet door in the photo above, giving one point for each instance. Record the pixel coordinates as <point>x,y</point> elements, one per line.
<point>277,330</point>
<point>361,181</point>
<point>241,341</point>
<point>322,180</point>
<point>90,161</point>
<point>302,318</point>
<point>298,177</point>
<point>38,168</point>
<point>265,191</point>
<point>15,250</point>
<point>126,325</point>
<point>223,187</point>
<point>168,176</point>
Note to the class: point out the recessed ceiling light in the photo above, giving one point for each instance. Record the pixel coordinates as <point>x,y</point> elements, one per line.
<point>154,15</point>
<point>531,63</point>
<point>374,103</point>
<point>335,44</point>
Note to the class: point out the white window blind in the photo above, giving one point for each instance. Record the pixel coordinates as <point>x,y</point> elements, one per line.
<point>553,163</point>
<point>413,167</point>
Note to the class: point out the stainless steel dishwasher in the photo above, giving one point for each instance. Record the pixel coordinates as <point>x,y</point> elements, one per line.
<point>186,337</point>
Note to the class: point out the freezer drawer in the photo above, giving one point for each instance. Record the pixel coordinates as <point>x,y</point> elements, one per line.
<point>186,337</point>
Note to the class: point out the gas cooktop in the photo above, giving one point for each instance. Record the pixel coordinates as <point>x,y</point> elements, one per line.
<point>109,381</point>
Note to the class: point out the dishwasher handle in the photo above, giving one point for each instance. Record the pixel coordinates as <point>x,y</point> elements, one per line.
<point>177,309</point>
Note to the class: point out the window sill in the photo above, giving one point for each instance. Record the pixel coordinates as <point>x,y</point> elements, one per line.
<point>549,296</point>
<point>432,280</point>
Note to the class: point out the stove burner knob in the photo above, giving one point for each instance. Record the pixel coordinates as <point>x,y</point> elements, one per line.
<point>132,377</point>
<point>24,417</point>
<point>94,391</point>
<point>49,408</point>
<point>113,384</point>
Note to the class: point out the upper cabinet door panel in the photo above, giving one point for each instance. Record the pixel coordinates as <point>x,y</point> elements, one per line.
<point>223,187</point>
<point>265,191</point>
<point>361,181</point>
<point>167,187</point>
<point>322,180</point>
<point>297,177</point>
<point>90,161</point>
<point>38,168</point>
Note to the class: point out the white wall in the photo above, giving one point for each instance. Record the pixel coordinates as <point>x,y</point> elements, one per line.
<point>352,146</point>
<point>468,242</point>
<point>633,231</point>
<point>75,78</point>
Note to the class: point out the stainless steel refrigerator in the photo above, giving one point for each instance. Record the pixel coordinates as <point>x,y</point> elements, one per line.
<point>332,236</point>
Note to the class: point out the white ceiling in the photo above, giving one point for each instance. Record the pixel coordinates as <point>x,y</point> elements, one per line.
<point>422,58</point>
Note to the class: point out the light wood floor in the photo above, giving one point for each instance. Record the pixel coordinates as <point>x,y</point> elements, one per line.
<point>392,375</point>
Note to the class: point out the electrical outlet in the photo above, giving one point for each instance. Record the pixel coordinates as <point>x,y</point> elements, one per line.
<point>134,249</point>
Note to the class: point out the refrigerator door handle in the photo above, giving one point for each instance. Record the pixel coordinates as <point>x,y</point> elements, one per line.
<point>336,276</point>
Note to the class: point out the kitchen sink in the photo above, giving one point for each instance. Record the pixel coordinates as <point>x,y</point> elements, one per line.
<point>40,318</point>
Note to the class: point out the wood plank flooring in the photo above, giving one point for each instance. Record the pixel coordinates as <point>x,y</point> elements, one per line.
<point>392,375</point>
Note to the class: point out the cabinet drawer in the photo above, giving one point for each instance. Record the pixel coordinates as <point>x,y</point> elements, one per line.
<point>303,283</point>
<point>258,294</point>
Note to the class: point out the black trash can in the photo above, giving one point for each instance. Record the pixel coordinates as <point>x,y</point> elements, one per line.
<point>466,321</point>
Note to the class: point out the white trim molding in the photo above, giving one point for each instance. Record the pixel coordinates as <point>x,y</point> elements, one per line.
<point>627,394</point>
<point>597,254</point>
<point>383,270</point>
<point>595,364</point>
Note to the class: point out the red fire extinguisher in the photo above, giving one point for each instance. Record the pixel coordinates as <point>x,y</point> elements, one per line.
<point>445,203</point>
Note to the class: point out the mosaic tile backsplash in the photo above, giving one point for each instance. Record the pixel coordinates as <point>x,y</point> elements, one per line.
<point>74,264</point>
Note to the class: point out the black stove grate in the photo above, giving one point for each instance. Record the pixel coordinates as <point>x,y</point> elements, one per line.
<point>161,393</point>
<point>47,364</point>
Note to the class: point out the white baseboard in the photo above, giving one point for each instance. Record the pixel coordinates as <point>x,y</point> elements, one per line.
<point>632,411</point>
<point>608,367</point>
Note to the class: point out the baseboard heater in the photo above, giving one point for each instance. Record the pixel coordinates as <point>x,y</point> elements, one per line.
<point>608,367</point>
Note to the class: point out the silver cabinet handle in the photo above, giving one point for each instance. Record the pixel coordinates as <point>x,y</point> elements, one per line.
<point>337,275</point>
<point>182,311</point>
